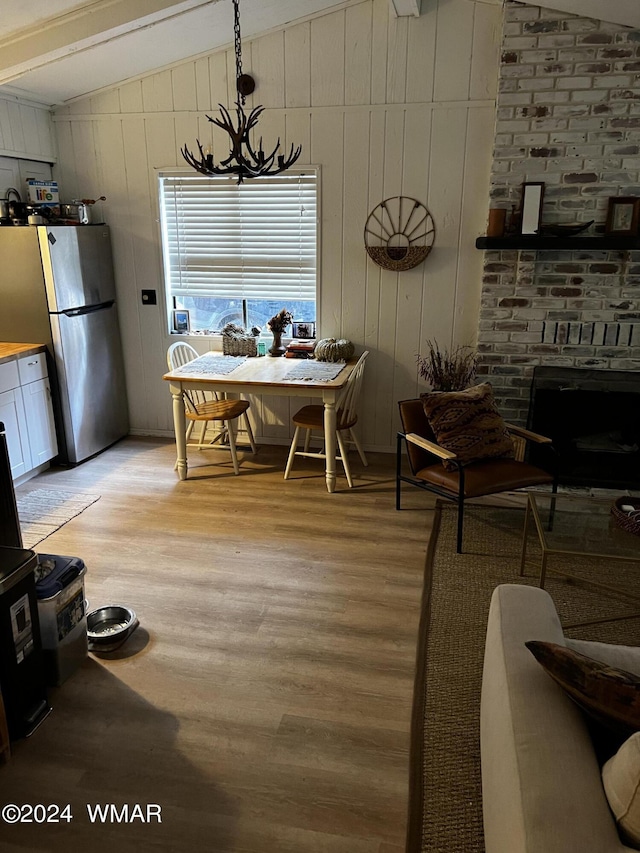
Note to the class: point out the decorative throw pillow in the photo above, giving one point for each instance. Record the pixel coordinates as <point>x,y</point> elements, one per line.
<point>621,780</point>
<point>467,423</point>
<point>609,695</point>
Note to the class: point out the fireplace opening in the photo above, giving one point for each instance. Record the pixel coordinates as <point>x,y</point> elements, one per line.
<point>593,417</point>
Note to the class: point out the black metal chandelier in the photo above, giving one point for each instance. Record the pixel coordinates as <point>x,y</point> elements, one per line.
<point>244,160</point>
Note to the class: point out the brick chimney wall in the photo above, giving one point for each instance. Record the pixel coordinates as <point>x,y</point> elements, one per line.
<point>568,114</point>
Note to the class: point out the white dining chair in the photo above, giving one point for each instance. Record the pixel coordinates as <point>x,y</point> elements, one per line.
<point>311,418</point>
<point>207,408</point>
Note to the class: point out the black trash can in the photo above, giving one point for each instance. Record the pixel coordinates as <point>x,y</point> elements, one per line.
<point>22,676</point>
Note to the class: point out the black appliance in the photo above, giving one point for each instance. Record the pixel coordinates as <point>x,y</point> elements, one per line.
<point>22,671</point>
<point>10,533</point>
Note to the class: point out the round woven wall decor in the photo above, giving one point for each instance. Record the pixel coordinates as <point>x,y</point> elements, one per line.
<point>399,233</point>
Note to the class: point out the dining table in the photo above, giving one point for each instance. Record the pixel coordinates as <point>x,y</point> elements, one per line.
<point>266,375</point>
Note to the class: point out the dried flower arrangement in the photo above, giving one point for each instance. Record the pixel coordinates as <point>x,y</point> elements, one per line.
<point>280,321</point>
<point>448,370</point>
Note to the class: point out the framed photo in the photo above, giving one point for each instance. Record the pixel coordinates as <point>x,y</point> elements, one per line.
<point>303,330</point>
<point>623,216</point>
<point>181,321</point>
<point>532,195</point>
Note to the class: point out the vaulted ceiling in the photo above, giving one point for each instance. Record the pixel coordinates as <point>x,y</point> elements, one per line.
<point>53,51</point>
<point>58,50</point>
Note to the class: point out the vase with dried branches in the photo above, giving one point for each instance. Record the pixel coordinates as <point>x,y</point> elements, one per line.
<point>277,324</point>
<point>448,369</point>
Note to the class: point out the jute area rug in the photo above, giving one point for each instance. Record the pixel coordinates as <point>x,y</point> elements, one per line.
<point>43,511</point>
<point>445,809</point>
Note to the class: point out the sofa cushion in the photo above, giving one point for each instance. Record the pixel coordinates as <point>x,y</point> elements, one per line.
<point>608,694</point>
<point>621,780</point>
<point>468,424</point>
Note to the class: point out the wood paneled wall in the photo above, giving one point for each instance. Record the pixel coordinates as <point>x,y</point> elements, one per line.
<point>385,106</point>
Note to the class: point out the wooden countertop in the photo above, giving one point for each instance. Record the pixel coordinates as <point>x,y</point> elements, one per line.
<point>10,351</point>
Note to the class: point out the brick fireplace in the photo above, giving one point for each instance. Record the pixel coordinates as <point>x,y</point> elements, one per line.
<point>593,417</point>
<point>568,114</point>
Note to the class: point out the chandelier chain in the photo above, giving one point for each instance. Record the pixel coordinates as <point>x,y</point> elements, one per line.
<point>245,160</point>
<point>238,45</point>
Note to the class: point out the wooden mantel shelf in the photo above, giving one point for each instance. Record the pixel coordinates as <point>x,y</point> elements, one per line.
<point>573,244</point>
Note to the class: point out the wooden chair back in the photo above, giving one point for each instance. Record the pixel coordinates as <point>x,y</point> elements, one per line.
<point>347,404</point>
<point>178,355</point>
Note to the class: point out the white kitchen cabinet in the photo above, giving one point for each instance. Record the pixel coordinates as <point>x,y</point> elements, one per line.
<point>15,423</point>
<point>31,170</point>
<point>9,176</point>
<point>41,429</point>
<point>27,412</point>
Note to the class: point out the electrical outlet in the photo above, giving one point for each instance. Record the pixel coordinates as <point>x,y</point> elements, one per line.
<point>149,297</point>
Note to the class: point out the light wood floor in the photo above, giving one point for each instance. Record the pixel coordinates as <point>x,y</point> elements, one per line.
<point>264,703</point>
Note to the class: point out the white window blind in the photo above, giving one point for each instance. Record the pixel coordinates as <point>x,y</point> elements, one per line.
<point>247,241</point>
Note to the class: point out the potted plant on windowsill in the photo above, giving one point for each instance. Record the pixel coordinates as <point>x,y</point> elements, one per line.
<point>448,370</point>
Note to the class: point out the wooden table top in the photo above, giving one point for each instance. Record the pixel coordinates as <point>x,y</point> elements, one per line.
<point>9,351</point>
<point>262,372</point>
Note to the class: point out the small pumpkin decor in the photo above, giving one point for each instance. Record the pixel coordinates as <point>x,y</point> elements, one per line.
<point>330,349</point>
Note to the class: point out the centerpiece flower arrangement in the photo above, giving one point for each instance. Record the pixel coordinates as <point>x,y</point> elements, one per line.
<point>277,324</point>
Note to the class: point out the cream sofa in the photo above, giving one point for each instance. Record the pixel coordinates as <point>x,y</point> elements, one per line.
<point>541,783</point>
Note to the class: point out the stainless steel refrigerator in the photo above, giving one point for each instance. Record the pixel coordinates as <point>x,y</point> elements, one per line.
<point>57,288</point>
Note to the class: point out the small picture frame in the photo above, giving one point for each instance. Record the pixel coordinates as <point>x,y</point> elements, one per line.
<point>623,216</point>
<point>532,195</point>
<point>181,321</point>
<point>303,330</point>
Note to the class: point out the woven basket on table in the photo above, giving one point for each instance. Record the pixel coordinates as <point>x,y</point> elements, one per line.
<point>239,345</point>
<point>629,521</point>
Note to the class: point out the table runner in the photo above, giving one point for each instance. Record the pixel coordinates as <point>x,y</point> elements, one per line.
<point>211,363</point>
<point>309,370</point>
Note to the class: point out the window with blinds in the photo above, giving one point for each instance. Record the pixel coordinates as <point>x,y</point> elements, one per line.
<point>240,252</point>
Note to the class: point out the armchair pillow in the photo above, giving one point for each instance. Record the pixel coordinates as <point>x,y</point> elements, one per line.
<point>608,695</point>
<point>468,424</point>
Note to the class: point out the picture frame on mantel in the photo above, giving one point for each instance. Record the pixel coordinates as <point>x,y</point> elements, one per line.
<point>532,195</point>
<point>623,216</point>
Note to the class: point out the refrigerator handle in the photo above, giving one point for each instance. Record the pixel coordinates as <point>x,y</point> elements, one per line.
<point>87,309</point>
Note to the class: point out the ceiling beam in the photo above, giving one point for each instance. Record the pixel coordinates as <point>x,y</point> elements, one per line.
<point>404,8</point>
<point>85,26</point>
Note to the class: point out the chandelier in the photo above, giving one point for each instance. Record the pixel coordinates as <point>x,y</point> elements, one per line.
<point>244,161</point>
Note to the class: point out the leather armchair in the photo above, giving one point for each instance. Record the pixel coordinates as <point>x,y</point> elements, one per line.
<point>484,477</point>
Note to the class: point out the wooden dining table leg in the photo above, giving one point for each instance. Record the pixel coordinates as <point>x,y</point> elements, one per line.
<point>180,429</point>
<point>330,441</point>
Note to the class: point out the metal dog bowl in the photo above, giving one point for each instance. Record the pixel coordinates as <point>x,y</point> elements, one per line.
<point>108,627</point>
